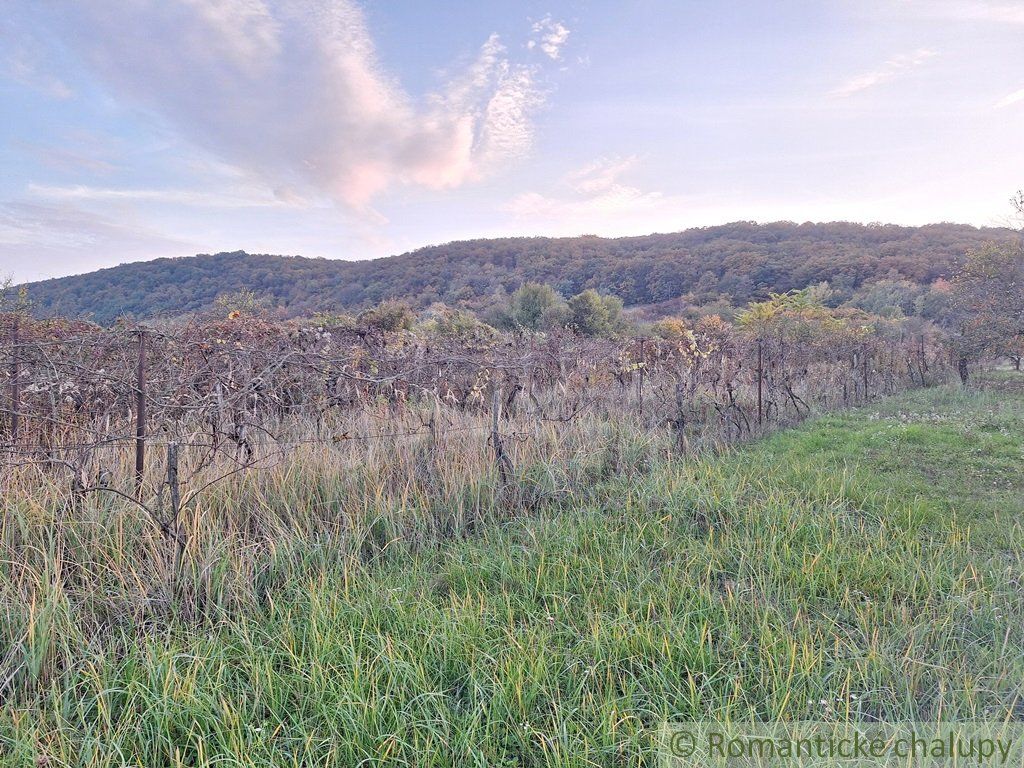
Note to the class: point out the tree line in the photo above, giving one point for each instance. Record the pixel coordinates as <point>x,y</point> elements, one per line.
<point>714,270</point>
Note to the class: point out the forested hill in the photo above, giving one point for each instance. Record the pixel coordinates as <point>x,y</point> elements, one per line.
<point>743,261</point>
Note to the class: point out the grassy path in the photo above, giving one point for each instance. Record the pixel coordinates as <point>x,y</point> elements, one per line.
<point>866,564</point>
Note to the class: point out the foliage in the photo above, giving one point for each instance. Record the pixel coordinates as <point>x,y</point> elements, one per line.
<point>339,321</point>
<point>987,304</point>
<point>934,303</point>
<point>240,303</point>
<point>591,314</point>
<point>887,298</point>
<point>532,307</point>
<point>14,299</point>
<point>787,312</point>
<point>389,315</point>
<point>671,328</point>
<point>742,261</point>
<point>456,325</point>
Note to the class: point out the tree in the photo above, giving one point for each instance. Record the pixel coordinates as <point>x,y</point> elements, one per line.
<point>672,328</point>
<point>12,300</point>
<point>592,314</point>
<point>742,260</point>
<point>533,307</point>
<point>987,304</point>
<point>241,303</point>
<point>933,304</point>
<point>887,298</point>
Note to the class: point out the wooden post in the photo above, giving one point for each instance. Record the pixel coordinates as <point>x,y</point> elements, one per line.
<point>435,433</point>
<point>760,382</point>
<point>173,524</point>
<point>500,458</point>
<point>173,485</point>
<point>15,383</point>
<point>643,368</point>
<point>865,366</point>
<point>140,416</point>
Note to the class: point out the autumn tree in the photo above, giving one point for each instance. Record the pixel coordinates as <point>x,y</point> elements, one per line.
<point>672,328</point>
<point>241,303</point>
<point>987,304</point>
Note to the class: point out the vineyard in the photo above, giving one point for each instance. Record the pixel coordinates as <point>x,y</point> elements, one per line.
<point>244,391</point>
<point>424,435</point>
<point>186,478</point>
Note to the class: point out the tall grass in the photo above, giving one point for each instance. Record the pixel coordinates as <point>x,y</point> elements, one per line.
<point>78,569</point>
<point>386,602</point>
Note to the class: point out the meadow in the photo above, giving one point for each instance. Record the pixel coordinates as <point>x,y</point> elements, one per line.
<point>862,564</point>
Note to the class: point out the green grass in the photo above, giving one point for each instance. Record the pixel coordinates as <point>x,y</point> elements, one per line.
<point>867,564</point>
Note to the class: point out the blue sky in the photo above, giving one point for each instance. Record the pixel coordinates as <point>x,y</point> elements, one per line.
<point>360,128</point>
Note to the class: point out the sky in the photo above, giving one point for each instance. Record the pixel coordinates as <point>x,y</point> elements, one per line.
<point>353,129</point>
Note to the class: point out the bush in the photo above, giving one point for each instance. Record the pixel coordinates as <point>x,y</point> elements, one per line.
<point>591,314</point>
<point>389,315</point>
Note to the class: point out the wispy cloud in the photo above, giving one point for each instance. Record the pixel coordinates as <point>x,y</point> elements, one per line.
<point>63,159</point>
<point>295,93</point>
<point>239,197</point>
<point>1010,99</point>
<point>549,35</point>
<point>21,62</point>
<point>595,196</point>
<point>52,239</point>
<point>892,69</point>
<point>994,11</point>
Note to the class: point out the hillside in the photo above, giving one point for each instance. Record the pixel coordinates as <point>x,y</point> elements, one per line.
<point>742,260</point>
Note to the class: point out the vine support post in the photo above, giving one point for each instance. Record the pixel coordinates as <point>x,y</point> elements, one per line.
<point>435,430</point>
<point>760,382</point>
<point>643,369</point>
<point>174,487</point>
<point>500,457</point>
<point>15,382</point>
<point>172,525</point>
<point>140,415</point>
<point>864,365</point>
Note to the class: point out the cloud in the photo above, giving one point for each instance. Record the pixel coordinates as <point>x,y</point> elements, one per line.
<point>63,159</point>
<point>1010,99</point>
<point>595,197</point>
<point>892,69</point>
<point>294,93</point>
<point>23,63</point>
<point>993,11</point>
<point>601,175</point>
<point>42,240</point>
<point>237,197</point>
<point>549,35</point>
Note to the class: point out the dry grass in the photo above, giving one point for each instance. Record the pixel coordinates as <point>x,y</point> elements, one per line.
<point>386,600</point>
